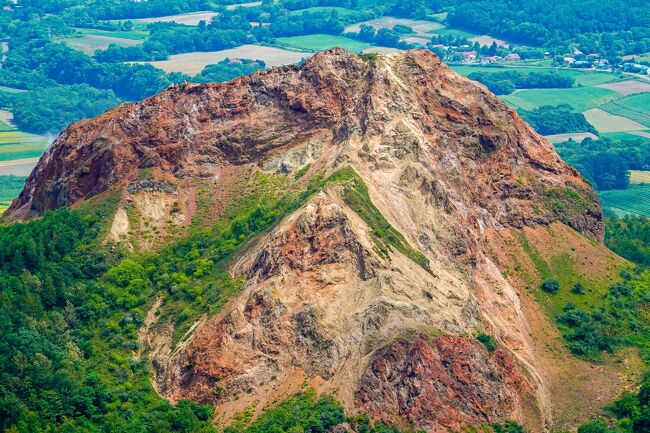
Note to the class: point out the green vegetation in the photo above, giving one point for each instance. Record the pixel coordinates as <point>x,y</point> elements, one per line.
<point>505,82</point>
<point>72,308</point>
<point>566,203</point>
<point>304,412</point>
<point>606,162</point>
<point>551,285</point>
<point>595,26</point>
<point>488,341</point>
<point>595,315</point>
<point>227,70</point>
<point>629,237</point>
<point>558,119</point>
<point>633,200</point>
<point>320,42</point>
<point>10,187</point>
<point>52,109</point>
<point>635,107</point>
<point>580,98</point>
<point>355,194</point>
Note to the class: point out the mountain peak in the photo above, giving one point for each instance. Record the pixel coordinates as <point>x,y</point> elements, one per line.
<point>414,181</point>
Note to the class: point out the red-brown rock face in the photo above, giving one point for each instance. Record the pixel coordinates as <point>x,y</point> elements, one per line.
<point>444,384</point>
<point>477,149</point>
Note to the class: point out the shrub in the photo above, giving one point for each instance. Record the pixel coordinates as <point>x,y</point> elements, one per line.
<point>488,341</point>
<point>550,285</point>
<point>578,289</point>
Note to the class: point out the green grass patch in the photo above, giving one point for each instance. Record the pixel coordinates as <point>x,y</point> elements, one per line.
<point>580,98</point>
<point>624,136</point>
<point>386,237</point>
<point>139,35</point>
<point>635,107</point>
<point>320,42</point>
<point>633,200</point>
<point>458,33</point>
<point>4,127</point>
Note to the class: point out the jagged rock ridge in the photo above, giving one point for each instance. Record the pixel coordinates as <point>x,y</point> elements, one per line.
<point>444,161</point>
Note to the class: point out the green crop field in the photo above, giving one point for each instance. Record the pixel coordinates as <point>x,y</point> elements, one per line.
<point>580,98</point>
<point>319,42</point>
<point>133,34</point>
<point>4,127</point>
<point>635,107</point>
<point>17,145</point>
<point>633,200</point>
<point>89,43</point>
<point>454,32</point>
<point>625,135</point>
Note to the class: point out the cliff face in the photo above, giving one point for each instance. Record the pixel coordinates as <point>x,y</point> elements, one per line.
<point>445,163</point>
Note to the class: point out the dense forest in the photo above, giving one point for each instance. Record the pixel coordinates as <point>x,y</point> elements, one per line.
<point>609,27</point>
<point>606,162</point>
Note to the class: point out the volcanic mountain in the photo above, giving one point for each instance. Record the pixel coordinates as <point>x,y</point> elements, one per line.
<point>423,205</point>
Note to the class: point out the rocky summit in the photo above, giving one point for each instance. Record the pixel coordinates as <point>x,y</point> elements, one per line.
<point>419,195</point>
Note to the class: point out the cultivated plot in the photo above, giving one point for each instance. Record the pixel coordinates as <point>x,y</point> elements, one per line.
<point>629,87</point>
<point>639,176</point>
<point>606,122</point>
<point>633,200</point>
<point>580,98</point>
<point>420,27</point>
<point>320,42</point>
<point>635,107</point>
<point>193,63</point>
<point>18,167</point>
<point>575,136</point>
<point>644,134</point>
<point>90,43</point>
<point>189,19</point>
<point>489,40</point>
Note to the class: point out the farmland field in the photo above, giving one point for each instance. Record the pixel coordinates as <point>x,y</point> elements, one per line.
<point>17,145</point>
<point>488,40</point>
<point>140,35</point>
<point>189,19</point>
<point>420,27</point>
<point>639,176</point>
<point>193,63</point>
<point>319,42</point>
<point>633,200</point>
<point>579,98</point>
<point>635,107</point>
<point>626,135</point>
<point>606,122</point>
<point>629,87</point>
<point>575,136</point>
<point>89,43</point>
<point>18,167</point>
